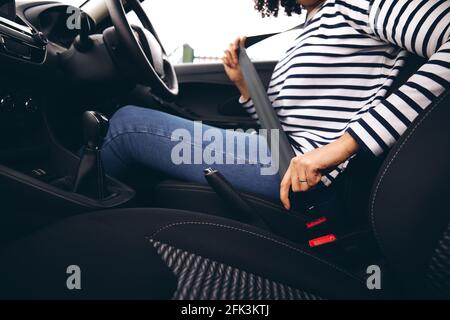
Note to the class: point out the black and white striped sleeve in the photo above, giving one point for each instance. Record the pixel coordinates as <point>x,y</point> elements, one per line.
<point>423,28</point>
<point>249,107</point>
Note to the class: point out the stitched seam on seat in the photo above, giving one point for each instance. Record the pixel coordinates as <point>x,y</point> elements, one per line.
<point>377,235</point>
<point>258,236</point>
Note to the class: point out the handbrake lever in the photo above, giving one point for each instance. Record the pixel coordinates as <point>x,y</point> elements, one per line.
<point>241,209</point>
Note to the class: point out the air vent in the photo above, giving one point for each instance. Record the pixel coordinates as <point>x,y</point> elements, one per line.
<point>20,42</point>
<point>20,49</point>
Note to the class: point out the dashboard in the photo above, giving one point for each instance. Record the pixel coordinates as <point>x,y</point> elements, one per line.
<point>25,30</point>
<point>20,46</point>
<point>28,32</point>
<point>33,38</point>
<point>33,34</point>
<point>51,19</point>
<point>52,23</point>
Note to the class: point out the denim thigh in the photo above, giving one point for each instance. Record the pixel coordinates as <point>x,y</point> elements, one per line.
<point>150,139</point>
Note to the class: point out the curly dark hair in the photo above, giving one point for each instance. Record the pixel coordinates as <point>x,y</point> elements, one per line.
<point>271,7</point>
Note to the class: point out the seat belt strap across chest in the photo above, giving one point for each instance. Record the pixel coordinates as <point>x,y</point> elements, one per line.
<point>281,150</point>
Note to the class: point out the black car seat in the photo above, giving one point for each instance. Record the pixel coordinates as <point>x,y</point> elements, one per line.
<point>163,253</point>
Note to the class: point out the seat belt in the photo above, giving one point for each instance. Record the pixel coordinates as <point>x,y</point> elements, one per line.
<point>269,121</point>
<point>267,116</point>
<point>256,39</point>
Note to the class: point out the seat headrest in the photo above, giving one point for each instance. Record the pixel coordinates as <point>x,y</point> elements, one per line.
<point>410,203</point>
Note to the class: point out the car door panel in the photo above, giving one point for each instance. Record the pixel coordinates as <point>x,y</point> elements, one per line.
<point>208,94</point>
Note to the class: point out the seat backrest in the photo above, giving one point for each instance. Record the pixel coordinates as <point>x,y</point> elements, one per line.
<point>410,204</point>
<point>363,170</point>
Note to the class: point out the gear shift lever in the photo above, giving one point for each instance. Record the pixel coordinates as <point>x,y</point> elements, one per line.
<point>90,177</point>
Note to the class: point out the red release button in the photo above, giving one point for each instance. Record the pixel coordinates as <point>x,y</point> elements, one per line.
<point>322,240</point>
<point>315,223</point>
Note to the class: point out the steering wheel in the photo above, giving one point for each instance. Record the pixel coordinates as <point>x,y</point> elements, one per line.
<point>143,48</point>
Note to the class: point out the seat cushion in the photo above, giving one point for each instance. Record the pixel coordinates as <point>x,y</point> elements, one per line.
<point>162,254</point>
<point>351,194</point>
<point>201,198</point>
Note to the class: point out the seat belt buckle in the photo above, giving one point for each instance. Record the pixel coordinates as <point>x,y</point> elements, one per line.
<point>317,242</point>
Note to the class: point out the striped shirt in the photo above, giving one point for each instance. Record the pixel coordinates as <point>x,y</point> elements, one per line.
<point>338,75</point>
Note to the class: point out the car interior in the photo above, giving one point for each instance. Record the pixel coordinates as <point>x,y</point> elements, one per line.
<point>161,238</point>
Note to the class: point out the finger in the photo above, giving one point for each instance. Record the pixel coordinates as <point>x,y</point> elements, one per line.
<point>296,186</point>
<point>303,179</point>
<point>228,55</point>
<point>284,190</point>
<point>295,180</point>
<point>233,50</point>
<point>229,59</point>
<point>313,177</point>
<point>226,63</point>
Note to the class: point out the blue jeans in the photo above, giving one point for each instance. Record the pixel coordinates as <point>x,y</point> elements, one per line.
<point>147,138</point>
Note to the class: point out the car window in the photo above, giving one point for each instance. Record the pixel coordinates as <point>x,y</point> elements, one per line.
<point>199,31</point>
<point>75,3</point>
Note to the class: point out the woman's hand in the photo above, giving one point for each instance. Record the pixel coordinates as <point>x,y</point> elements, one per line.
<point>305,171</point>
<point>233,69</point>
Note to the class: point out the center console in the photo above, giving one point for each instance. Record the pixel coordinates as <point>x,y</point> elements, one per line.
<point>36,172</point>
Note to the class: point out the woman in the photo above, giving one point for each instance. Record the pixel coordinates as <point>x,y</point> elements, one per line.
<point>331,90</point>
